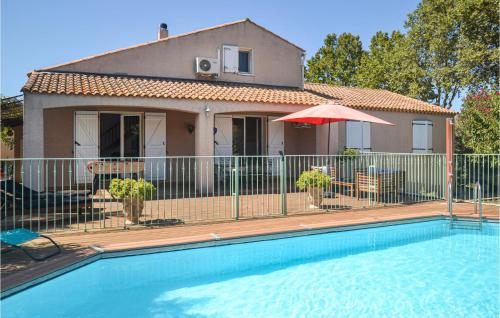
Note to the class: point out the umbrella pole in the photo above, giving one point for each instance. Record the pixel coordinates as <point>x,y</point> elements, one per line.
<point>328,151</point>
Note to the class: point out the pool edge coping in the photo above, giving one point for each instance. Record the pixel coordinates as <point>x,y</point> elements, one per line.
<point>104,254</point>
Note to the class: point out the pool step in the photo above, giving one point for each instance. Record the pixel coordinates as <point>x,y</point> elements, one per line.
<point>465,225</point>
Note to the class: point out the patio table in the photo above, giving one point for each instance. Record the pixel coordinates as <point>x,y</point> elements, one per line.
<point>105,170</point>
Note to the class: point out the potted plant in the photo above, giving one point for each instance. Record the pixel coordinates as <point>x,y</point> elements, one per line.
<point>349,162</point>
<point>315,182</point>
<point>132,193</point>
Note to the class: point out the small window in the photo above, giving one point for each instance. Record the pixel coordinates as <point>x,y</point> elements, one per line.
<point>422,136</point>
<point>244,62</point>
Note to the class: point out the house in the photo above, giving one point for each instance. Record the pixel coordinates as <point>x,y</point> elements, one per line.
<point>213,91</point>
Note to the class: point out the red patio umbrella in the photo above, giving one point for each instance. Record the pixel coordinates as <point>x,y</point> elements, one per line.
<point>329,113</point>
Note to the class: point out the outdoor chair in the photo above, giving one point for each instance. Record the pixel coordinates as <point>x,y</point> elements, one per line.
<point>341,183</point>
<point>13,194</point>
<point>383,183</point>
<point>14,239</point>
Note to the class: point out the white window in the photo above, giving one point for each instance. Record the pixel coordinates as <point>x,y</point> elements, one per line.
<point>231,57</point>
<point>237,60</point>
<point>358,135</point>
<point>422,136</point>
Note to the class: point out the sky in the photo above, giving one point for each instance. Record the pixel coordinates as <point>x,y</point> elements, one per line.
<point>35,34</point>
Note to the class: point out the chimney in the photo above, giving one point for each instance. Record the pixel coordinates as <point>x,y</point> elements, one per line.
<point>163,32</point>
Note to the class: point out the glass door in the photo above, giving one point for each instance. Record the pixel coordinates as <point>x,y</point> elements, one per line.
<point>119,135</point>
<point>131,136</point>
<point>246,136</point>
<point>253,136</point>
<point>238,136</point>
<point>110,135</point>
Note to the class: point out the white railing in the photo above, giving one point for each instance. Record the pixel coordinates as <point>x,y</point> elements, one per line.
<point>60,194</point>
<point>471,169</point>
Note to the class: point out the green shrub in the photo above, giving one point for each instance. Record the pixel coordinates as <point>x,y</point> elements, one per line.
<point>130,188</point>
<point>350,152</point>
<point>313,179</point>
<point>478,126</point>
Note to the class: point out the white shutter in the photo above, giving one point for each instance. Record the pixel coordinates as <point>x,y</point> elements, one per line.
<point>366,142</point>
<point>275,143</point>
<point>422,136</point>
<point>155,131</point>
<point>231,55</point>
<point>358,135</point>
<point>86,143</point>
<point>354,134</point>
<point>223,136</point>
<point>429,137</point>
<point>276,136</point>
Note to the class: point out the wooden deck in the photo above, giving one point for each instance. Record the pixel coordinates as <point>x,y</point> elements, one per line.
<point>16,268</point>
<point>104,212</point>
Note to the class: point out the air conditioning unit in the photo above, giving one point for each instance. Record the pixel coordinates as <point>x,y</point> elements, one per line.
<point>206,66</point>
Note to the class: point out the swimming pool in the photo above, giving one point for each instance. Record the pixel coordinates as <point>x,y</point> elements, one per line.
<point>413,270</point>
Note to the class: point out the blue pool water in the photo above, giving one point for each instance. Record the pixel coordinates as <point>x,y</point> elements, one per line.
<point>414,270</point>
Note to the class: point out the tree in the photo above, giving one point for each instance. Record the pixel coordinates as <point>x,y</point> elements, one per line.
<point>7,137</point>
<point>337,61</point>
<point>393,65</point>
<point>478,125</point>
<point>457,45</point>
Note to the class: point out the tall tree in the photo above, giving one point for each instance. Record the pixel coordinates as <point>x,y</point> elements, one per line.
<point>456,43</point>
<point>337,61</point>
<point>391,64</point>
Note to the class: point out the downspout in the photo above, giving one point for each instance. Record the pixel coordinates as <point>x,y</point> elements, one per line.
<point>220,62</point>
<point>302,59</point>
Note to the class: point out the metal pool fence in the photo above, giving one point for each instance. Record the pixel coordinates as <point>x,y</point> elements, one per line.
<point>473,168</point>
<point>73,194</point>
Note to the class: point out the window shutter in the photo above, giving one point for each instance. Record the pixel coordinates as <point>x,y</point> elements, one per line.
<point>353,134</point>
<point>358,135</point>
<point>422,136</point>
<point>366,142</point>
<point>230,58</point>
<point>429,137</point>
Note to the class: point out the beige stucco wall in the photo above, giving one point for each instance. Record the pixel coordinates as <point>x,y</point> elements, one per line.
<point>397,138</point>
<point>299,141</point>
<point>275,61</point>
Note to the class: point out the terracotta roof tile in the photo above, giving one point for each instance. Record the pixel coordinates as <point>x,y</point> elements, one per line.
<point>374,99</point>
<point>111,85</point>
<point>132,86</point>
